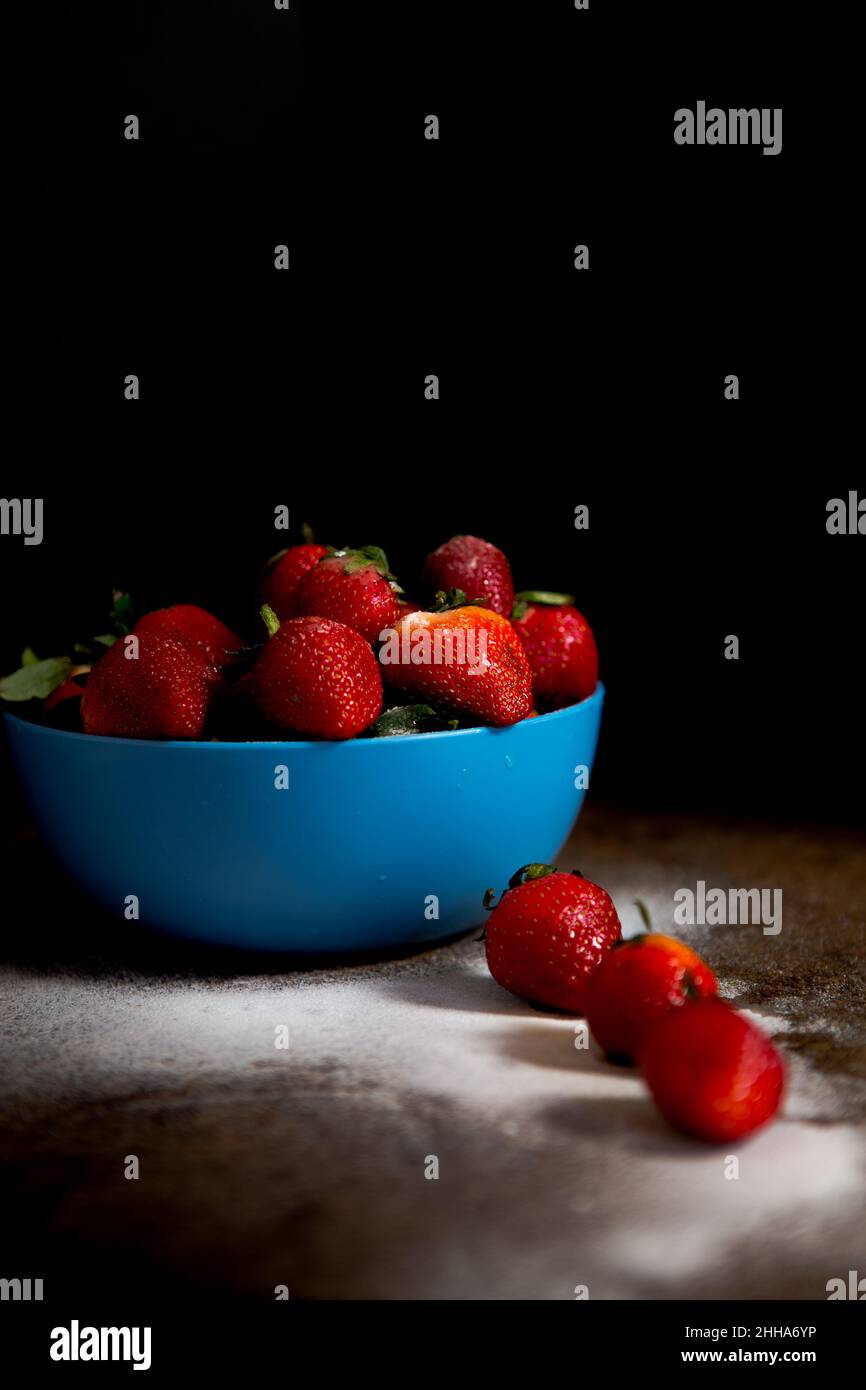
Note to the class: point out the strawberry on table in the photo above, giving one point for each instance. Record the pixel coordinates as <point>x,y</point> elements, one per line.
<point>354,587</point>
<point>279,587</point>
<point>711,1072</point>
<point>639,983</point>
<point>476,567</point>
<point>548,934</point>
<point>559,645</point>
<point>317,677</point>
<point>463,658</point>
<point>164,692</point>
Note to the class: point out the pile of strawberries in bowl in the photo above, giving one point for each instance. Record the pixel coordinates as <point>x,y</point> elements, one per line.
<point>341,652</point>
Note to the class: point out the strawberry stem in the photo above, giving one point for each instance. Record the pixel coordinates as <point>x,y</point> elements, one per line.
<point>644,914</point>
<point>690,989</point>
<point>270,619</point>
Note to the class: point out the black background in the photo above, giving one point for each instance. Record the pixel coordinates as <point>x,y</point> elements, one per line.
<point>707,516</point>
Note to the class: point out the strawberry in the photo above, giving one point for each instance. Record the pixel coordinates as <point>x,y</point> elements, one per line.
<point>476,567</point>
<point>711,1072</point>
<point>548,934</point>
<point>461,658</point>
<point>639,983</point>
<point>316,677</point>
<point>67,690</point>
<point>280,586</point>
<point>164,692</point>
<point>560,646</point>
<point>354,587</point>
<point>195,628</point>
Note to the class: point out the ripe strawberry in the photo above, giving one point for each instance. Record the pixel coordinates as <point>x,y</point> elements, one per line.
<point>316,677</point>
<point>67,690</point>
<point>560,646</point>
<point>280,585</point>
<point>548,933</point>
<point>195,628</point>
<point>476,567</point>
<point>461,658</point>
<point>711,1072</point>
<point>354,587</point>
<point>639,983</point>
<point>164,692</point>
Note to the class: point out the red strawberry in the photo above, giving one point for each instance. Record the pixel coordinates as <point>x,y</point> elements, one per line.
<point>548,933</point>
<point>639,983</point>
<point>317,677</point>
<point>461,658</point>
<point>711,1072</point>
<point>354,587</point>
<point>560,646</point>
<point>196,629</point>
<point>164,692</point>
<point>476,567</point>
<point>280,586</point>
<point>67,690</point>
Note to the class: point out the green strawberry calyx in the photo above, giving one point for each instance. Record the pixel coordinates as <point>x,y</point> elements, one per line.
<point>541,597</point>
<point>448,599</point>
<point>270,619</point>
<point>533,871</point>
<point>526,874</point>
<point>122,613</point>
<point>367,557</point>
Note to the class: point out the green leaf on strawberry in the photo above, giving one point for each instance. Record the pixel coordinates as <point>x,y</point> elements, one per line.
<point>35,679</point>
<point>531,871</point>
<point>270,619</point>
<point>455,598</point>
<point>543,597</point>
<point>122,612</point>
<point>408,719</point>
<point>365,557</point>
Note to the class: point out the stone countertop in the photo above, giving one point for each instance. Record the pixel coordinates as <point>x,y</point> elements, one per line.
<point>306,1166</point>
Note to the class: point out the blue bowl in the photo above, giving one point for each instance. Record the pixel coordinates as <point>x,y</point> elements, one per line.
<point>374,844</point>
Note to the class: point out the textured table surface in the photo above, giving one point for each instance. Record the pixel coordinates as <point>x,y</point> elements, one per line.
<point>306,1166</point>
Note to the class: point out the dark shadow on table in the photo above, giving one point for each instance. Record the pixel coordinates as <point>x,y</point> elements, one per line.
<point>52,928</point>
